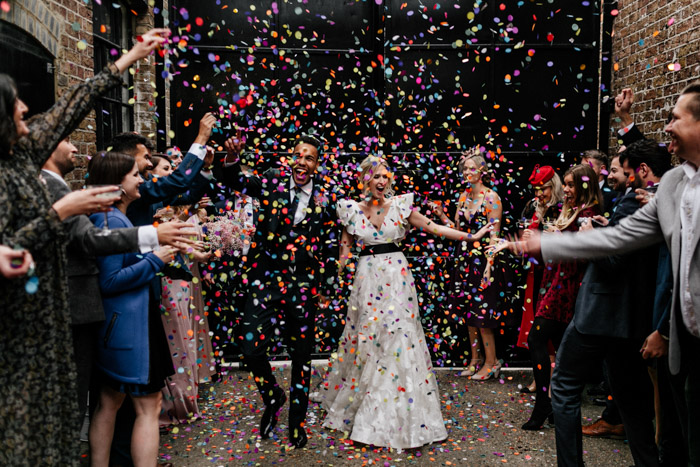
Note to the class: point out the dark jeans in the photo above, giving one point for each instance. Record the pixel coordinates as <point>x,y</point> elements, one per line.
<point>579,355</point>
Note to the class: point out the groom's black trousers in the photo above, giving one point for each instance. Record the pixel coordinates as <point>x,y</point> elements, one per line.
<point>280,306</point>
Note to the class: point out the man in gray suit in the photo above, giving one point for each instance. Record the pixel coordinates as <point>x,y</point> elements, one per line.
<point>83,245</point>
<point>673,216</point>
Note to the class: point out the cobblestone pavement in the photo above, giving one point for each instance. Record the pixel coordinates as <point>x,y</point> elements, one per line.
<point>483,423</point>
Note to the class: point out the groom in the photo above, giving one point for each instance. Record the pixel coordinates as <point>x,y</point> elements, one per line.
<point>291,257</point>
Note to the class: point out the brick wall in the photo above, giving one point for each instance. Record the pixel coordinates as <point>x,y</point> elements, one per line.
<point>60,25</point>
<point>649,36</point>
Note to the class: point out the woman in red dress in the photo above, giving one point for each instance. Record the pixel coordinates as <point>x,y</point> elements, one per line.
<point>543,209</point>
<point>560,284</point>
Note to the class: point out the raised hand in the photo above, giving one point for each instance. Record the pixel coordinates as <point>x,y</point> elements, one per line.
<point>14,263</point>
<point>206,125</point>
<point>623,106</point>
<point>209,157</point>
<point>234,147</point>
<point>143,47</point>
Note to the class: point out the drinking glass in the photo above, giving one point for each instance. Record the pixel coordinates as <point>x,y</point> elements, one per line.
<point>108,194</point>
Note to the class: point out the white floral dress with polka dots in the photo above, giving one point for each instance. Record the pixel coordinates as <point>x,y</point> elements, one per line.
<point>380,388</point>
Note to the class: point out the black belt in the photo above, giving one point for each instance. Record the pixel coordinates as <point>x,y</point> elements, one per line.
<point>380,249</point>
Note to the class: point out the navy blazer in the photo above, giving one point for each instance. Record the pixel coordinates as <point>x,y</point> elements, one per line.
<point>123,350</point>
<point>616,298</point>
<point>184,178</point>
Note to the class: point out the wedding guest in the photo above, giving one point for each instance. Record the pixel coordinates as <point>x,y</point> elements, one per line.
<point>185,185</point>
<point>475,290</point>
<point>185,324</point>
<point>39,424</point>
<point>162,167</point>
<point>85,241</point>
<point>560,284</point>
<point>133,354</point>
<point>600,162</point>
<point>383,348</point>
<point>540,211</point>
<point>174,155</point>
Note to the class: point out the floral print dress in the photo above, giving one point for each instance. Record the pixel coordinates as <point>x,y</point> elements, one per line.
<point>39,419</point>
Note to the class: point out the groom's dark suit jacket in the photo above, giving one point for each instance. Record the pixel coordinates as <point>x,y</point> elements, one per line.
<point>84,299</point>
<point>310,247</point>
<point>616,298</point>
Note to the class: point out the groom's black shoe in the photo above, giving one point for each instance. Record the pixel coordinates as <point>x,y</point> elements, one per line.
<point>272,411</point>
<point>297,436</point>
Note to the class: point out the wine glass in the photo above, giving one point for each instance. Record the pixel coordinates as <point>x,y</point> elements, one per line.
<point>108,194</point>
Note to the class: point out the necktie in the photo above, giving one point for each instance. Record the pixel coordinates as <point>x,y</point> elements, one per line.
<point>291,211</point>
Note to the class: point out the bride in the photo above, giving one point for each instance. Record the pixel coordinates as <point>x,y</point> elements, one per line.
<point>380,388</point>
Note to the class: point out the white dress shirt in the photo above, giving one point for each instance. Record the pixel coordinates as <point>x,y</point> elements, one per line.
<point>304,197</point>
<point>690,204</point>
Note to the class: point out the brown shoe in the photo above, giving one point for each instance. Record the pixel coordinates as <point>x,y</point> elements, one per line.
<point>603,429</point>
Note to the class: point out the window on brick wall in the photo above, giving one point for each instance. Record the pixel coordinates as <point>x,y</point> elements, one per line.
<point>112,32</point>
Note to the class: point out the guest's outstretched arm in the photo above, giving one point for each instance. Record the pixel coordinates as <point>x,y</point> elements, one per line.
<point>418,220</point>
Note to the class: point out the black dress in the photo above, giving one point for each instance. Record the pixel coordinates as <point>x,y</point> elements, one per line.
<point>478,306</point>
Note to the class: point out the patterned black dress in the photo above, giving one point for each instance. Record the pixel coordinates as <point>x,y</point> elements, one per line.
<point>39,423</point>
<point>481,307</point>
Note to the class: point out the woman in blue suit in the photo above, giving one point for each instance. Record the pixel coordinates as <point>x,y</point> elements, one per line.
<point>129,354</point>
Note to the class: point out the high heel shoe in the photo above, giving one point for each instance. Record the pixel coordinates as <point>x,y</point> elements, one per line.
<point>471,369</point>
<point>528,389</point>
<point>538,418</point>
<point>493,372</point>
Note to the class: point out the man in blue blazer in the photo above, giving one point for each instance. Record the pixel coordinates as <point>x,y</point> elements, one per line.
<point>673,216</point>
<point>291,261</point>
<point>185,185</point>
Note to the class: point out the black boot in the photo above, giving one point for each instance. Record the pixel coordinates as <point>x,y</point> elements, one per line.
<point>297,436</point>
<point>542,412</point>
<point>271,413</point>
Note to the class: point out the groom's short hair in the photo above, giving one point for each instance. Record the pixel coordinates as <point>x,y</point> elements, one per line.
<point>308,139</point>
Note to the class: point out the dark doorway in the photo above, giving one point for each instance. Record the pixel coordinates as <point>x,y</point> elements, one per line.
<point>30,65</point>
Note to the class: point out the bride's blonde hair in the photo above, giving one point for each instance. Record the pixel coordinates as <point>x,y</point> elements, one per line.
<point>368,167</point>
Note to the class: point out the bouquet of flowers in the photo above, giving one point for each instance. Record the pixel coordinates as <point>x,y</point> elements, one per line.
<point>229,232</point>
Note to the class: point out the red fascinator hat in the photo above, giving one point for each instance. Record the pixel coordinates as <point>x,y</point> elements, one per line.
<point>541,175</point>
